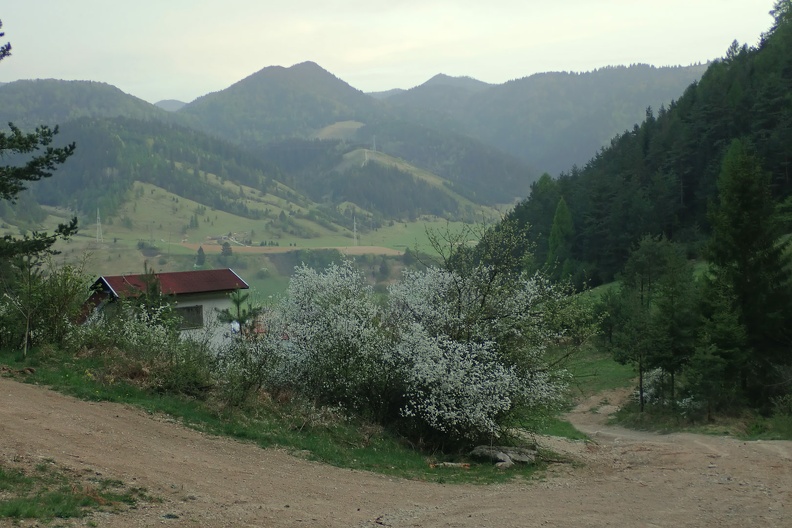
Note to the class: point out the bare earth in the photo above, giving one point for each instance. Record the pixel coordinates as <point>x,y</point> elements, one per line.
<point>622,478</point>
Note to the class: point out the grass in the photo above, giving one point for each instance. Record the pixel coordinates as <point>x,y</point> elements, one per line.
<point>594,371</point>
<point>555,426</point>
<point>46,492</point>
<point>743,423</point>
<point>299,428</point>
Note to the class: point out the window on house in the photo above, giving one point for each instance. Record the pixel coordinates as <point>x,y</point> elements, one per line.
<point>190,317</point>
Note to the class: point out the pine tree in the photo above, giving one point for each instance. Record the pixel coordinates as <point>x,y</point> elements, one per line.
<point>560,243</point>
<point>36,165</point>
<point>200,257</point>
<point>747,254</point>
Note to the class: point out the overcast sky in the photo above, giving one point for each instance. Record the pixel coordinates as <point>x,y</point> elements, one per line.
<point>182,49</point>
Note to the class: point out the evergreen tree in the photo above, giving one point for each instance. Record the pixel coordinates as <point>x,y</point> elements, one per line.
<point>714,372</point>
<point>226,250</point>
<point>34,166</point>
<point>747,254</point>
<point>200,257</point>
<point>560,242</point>
<point>675,318</point>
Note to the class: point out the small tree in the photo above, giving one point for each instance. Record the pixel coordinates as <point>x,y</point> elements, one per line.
<point>200,257</point>
<point>241,312</point>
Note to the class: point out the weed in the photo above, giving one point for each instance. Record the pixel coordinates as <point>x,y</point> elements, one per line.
<point>49,492</point>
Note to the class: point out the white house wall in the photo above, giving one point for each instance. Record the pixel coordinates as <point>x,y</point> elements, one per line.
<point>213,332</point>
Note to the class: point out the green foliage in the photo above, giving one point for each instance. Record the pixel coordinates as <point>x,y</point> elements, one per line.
<point>562,234</point>
<point>658,177</point>
<point>29,165</point>
<point>40,302</point>
<point>200,257</point>
<point>652,321</point>
<point>50,492</point>
<point>751,262</point>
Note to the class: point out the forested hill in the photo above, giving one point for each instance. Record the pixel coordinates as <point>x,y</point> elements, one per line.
<point>660,176</point>
<point>305,101</point>
<point>551,121</point>
<point>28,104</point>
<point>277,103</point>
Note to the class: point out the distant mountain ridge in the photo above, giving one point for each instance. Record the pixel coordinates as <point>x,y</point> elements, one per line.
<point>29,103</point>
<point>552,120</point>
<point>243,129</point>
<point>170,105</point>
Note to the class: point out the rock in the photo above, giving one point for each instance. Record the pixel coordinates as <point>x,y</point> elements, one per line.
<point>505,456</point>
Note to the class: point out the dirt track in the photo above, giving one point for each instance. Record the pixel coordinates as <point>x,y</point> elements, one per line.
<point>625,478</point>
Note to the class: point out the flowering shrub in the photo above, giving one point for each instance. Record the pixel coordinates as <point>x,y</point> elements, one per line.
<point>450,357</point>
<point>472,348</point>
<point>457,389</point>
<point>333,341</point>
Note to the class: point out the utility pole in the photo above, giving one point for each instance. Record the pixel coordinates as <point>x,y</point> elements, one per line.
<point>99,237</point>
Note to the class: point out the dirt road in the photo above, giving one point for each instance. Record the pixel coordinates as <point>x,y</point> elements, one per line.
<point>623,478</point>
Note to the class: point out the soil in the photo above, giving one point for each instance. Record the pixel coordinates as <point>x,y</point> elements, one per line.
<point>619,478</point>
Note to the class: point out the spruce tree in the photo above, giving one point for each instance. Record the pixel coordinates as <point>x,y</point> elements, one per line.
<point>560,243</point>
<point>747,254</point>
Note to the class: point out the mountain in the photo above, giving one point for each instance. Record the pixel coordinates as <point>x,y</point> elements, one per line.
<point>551,121</point>
<point>48,101</point>
<point>277,103</point>
<point>243,131</point>
<point>385,94</point>
<point>305,101</point>
<point>170,105</point>
<point>463,82</point>
<point>660,176</point>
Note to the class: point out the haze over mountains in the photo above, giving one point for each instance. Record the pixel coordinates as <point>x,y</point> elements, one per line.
<point>446,147</point>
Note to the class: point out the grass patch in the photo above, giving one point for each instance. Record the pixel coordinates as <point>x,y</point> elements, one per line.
<point>46,491</point>
<point>557,427</point>
<point>743,423</point>
<point>308,432</point>
<point>594,371</point>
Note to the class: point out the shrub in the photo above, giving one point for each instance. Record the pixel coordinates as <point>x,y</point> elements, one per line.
<point>451,358</point>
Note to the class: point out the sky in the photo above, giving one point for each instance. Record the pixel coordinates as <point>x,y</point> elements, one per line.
<point>182,49</point>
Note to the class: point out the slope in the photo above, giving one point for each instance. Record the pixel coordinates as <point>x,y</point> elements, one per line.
<point>660,176</point>
<point>31,103</point>
<point>551,121</point>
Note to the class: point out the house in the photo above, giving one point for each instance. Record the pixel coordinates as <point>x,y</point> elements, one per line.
<point>197,296</point>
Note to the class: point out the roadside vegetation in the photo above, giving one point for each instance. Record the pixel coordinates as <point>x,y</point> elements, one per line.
<point>46,491</point>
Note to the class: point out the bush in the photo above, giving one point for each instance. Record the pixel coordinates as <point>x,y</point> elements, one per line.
<point>450,359</point>
<point>146,347</point>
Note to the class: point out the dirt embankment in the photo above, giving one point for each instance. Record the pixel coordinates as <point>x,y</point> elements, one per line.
<point>622,478</point>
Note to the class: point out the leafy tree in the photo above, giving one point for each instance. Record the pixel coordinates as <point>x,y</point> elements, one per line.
<point>226,250</point>
<point>31,166</point>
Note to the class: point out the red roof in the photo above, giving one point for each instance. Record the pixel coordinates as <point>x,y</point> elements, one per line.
<point>174,283</point>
